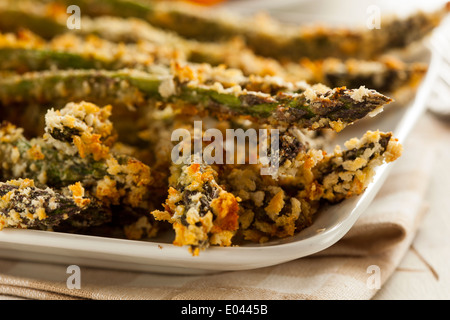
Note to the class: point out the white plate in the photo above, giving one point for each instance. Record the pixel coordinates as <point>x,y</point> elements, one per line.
<point>329,225</point>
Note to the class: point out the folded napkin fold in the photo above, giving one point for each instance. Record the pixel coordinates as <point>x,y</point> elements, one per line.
<point>354,268</point>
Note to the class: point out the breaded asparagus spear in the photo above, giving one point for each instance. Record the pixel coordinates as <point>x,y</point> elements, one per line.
<point>386,75</point>
<point>76,152</point>
<point>340,174</point>
<point>76,148</point>
<point>37,160</point>
<point>202,213</point>
<point>46,20</point>
<point>23,205</point>
<point>314,107</point>
<point>267,209</point>
<point>27,52</point>
<point>281,223</point>
<point>279,208</point>
<point>347,173</point>
<point>267,37</point>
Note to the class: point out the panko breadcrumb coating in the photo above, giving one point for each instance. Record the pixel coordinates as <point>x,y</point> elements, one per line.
<point>202,213</point>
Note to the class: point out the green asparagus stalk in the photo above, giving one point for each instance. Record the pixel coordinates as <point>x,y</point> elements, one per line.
<point>23,205</point>
<point>313,108</point>
<point>268,37</point>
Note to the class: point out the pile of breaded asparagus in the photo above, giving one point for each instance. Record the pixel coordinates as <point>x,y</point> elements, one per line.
<point>88,115</point>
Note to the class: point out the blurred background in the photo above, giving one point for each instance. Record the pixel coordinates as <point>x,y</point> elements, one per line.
<point>343,12</point>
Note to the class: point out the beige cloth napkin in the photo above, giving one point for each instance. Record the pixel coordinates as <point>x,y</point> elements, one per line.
<point>353,268</point>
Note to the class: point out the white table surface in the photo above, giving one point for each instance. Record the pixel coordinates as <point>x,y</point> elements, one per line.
<point>424,272</point>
